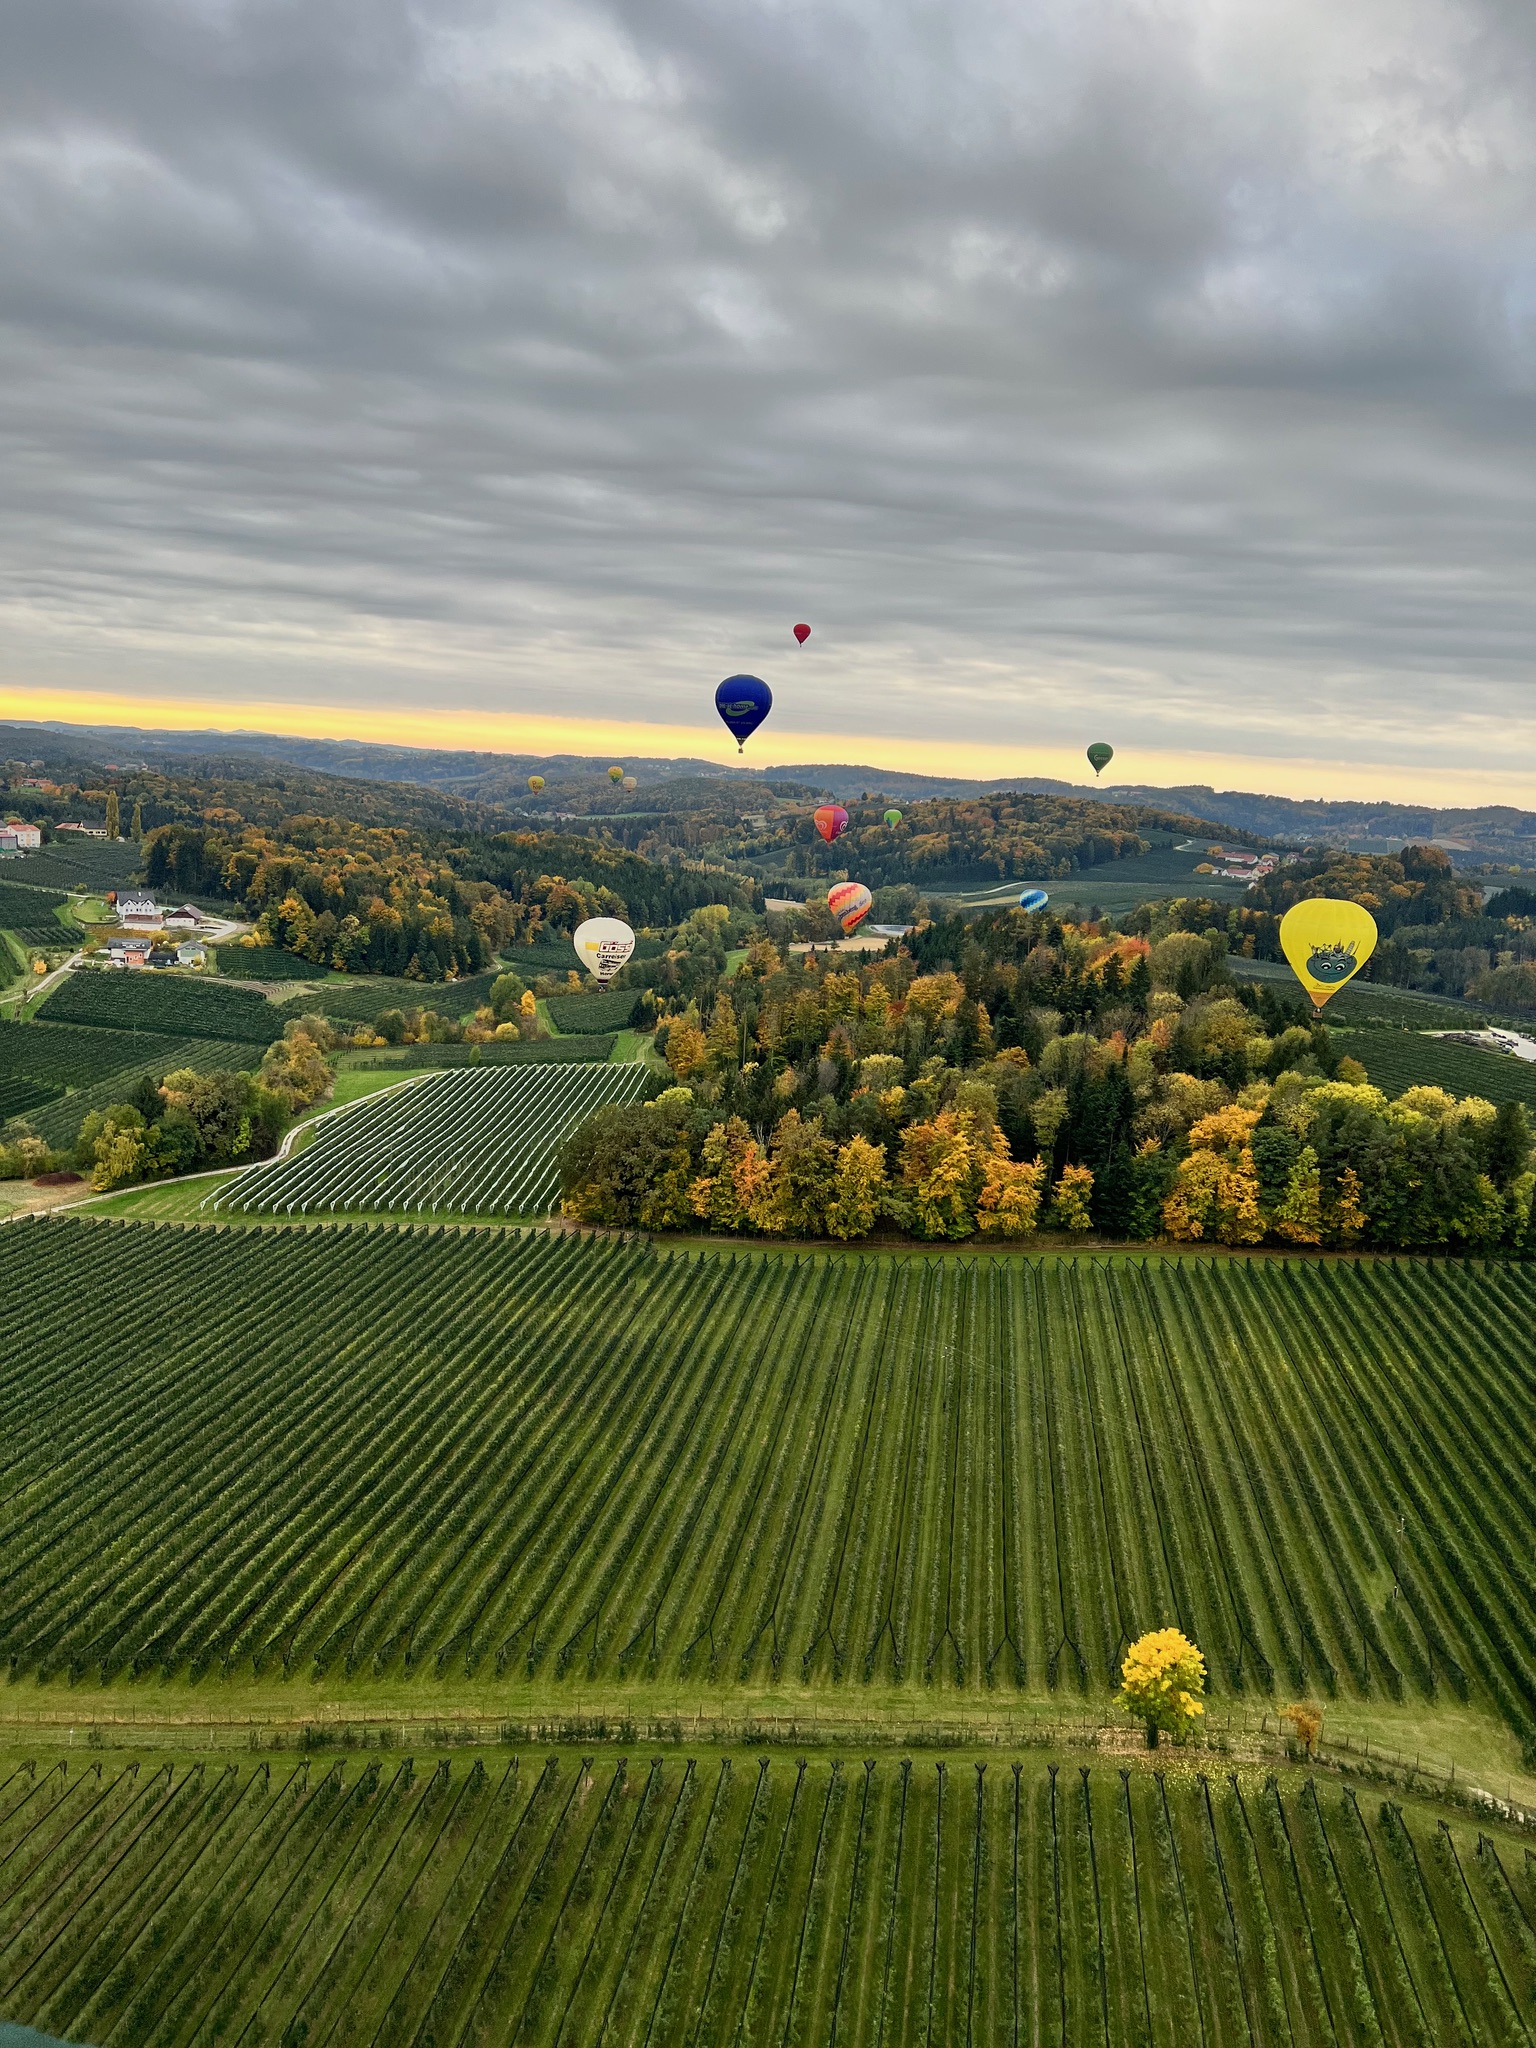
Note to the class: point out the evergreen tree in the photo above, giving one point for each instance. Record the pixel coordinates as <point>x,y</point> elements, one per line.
<point>114,822</point>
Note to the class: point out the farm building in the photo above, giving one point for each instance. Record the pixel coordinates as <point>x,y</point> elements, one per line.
<point>139,913</point>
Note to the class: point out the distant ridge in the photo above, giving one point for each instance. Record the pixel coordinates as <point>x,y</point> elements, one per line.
<point>1490,832</point>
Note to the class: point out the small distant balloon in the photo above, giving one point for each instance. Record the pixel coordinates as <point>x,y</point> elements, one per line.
<point>604,944</point>
<point>630,782</point>
<point>831,821</point>
<point>1033,899</point>
<point>743,702</point>
<point>535,783</point>
<point>615,774</point>
<point>1100,754</point>
<point>802,634</point>
<point>893,817</point>
<point>1327,940</point>
<point>848,902</point>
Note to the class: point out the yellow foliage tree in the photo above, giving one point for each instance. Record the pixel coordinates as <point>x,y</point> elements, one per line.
<point>734,1171</point>
<point>1070,1198</point>
<point>687,1050</point>
<point>1161,1682</point>
<point>1300,1214</point>
<point>857,1186</point>
<point>941,1170</point>
<point>1216,1188</point>
<point>1011,1193</point>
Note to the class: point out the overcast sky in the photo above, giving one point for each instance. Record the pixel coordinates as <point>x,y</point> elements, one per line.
<point>1163,373</point>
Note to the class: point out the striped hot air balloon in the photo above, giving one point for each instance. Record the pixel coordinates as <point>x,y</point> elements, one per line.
<point>848,903</point>
<point>1033,899</point>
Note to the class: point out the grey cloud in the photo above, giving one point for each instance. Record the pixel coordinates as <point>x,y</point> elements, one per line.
<point>1175,362</point>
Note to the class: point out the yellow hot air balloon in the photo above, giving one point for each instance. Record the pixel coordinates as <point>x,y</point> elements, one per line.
<point>535,783</point>
<point>1326,941</point>
<point>615,774</point>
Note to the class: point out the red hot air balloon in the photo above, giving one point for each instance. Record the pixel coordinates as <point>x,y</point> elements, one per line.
<point>831,821</point>
<point>802,634</point>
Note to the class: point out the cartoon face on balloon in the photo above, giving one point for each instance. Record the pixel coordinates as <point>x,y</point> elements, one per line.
<point>1332,963</point>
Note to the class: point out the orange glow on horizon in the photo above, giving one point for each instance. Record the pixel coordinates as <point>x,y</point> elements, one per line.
<point>456,727</point>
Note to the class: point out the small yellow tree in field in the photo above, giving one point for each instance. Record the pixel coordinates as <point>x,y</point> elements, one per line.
<point>1161,1681</point>
<point>1307,1720</point>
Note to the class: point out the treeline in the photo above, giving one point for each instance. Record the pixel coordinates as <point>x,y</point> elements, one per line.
<point>375,900</point>
<point>1052,1077</point>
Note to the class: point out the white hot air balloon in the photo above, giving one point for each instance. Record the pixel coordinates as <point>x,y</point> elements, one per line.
<point>604,944</point>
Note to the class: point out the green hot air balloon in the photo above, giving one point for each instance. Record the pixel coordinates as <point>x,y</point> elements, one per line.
<point>893,817</point>
<point>1100,754</point>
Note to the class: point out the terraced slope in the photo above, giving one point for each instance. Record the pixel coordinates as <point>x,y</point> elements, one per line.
<point>481,1453</point>
<point>690,1901</point>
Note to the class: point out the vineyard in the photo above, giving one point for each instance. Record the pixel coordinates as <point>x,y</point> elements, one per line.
<point>39,1061</point>
<point>1396,1060</point>
<point>609,1011</point>
<point>175,1005</point>
<point>500,1453</point>
<point>264,963</point>
<point>690,1901</point>
<point>512,1052</point>
<point>482,1142</point>
<point>20,905</point>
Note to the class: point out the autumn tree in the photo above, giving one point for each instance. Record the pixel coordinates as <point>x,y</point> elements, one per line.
<point>1161,1682</point>
<point>858,1184</point>
<point>1071,1197</point>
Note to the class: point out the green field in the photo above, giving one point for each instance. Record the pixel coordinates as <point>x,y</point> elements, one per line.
<point>1114,886</point>
<point>480,1142</point>
<point>176,1006</point>
<point>547,1897</point>
<point>489,1453</point>
<point>24,906</point>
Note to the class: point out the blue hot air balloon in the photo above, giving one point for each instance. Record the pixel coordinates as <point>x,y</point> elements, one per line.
<point>1033,899</point>
<point>743,702</point>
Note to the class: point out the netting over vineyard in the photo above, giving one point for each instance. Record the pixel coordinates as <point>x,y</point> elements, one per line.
<point>475,1141</point>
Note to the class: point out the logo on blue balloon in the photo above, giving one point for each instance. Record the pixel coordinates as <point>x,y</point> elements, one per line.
<point>743,702</point>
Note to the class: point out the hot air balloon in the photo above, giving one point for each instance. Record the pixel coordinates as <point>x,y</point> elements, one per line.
<point>848,902</point>
<point>831,821</point>
<point>604,944</point>
<point>743,702</point>
<point>1033,899</point>
<point>802,634</point>
<point>893,817</point>
<point>1100,754</point>
<point>1326,940</point>
<point>535,783</point>
<point>630,782</point>
<point>615,774</point>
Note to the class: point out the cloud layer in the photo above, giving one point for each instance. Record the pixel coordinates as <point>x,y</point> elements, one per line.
<point>1164,369</point>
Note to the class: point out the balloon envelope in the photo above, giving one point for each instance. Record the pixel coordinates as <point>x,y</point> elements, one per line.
<point>535,783</point>
<point>1033,899</point>
<point>802,634</point>
<point>631,782</point>
<point>831,821</point>
<point>615,774</point>
<point>1326,941</point>
<point>1100,754</point>
<point>604,944</point>
<point>743,702</point>
<point>848,902</point>
<point>893,817</point>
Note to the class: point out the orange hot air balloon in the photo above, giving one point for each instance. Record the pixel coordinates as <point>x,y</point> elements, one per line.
<point>848,902</point>
<point>831,821</point>
<point>802,634</point>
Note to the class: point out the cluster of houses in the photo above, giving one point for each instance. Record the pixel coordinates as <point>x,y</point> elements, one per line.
<point>1238,865</point>
<point>152,937</point>
<point>17,837</point>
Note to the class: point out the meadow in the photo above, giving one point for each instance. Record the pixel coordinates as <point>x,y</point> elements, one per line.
<point>692,1900</point>
<point>487,1452</point>
<point>482,1141</point>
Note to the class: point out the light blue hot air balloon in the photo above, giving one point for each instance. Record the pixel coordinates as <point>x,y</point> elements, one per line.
<point>1033,899</point>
